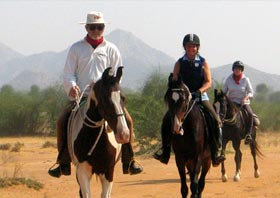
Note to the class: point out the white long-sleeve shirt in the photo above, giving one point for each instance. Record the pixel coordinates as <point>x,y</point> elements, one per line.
<point>85,65</point>
<point>237,92</point>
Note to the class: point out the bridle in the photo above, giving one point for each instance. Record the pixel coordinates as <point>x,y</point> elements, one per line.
<point>231,120</point>
<point>186,100</point>
<point>87,121</point>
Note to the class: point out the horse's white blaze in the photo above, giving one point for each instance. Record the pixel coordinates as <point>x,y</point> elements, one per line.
<point>122,133</point>
<point>177,126</point>
<point>112,140</point>
<point>83,173</point>
<point>106,187</point>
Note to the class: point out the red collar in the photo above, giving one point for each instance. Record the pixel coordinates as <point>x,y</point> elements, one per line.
<point>94,43</point>
<point>237,78</point>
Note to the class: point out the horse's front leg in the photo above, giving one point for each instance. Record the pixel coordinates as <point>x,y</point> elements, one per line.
<point>194,173</point>
<point>237,159</point>
<point>106,187</point>
<point>181,166</point>
<point>206,164</point>
<point>223,170</point>
<point>83,175</point>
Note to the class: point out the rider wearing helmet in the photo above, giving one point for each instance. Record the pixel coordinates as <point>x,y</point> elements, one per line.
<point>238,64</point>
<point>195,73</point>
<point>239,89</point>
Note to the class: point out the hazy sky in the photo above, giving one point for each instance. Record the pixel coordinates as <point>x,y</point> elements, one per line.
<point>228,30</point>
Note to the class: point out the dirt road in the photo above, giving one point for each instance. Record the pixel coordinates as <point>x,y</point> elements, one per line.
<point>156,181</point>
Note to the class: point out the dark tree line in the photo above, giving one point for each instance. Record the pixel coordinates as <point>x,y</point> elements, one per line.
<point>35,112</point>
<point>30,113</point>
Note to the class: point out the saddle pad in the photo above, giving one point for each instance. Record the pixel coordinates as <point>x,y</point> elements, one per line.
<point>75,124</point>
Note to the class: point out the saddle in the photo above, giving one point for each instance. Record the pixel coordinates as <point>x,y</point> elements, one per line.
<point>210,123</point>
<point>256,120</point>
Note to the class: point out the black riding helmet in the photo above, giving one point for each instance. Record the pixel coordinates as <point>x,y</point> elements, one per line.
<point>191,38</point>
<point>238,64</point>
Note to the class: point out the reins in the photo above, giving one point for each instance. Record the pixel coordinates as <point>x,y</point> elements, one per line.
<point>194,102</point>
<point>93,124</point>
<point>188,102</point>
<point>233,120</point>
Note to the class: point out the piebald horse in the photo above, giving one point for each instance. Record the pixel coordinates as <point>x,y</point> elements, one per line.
<point>96,131</point>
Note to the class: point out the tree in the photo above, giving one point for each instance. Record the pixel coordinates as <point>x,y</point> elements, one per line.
<point>147,108</point>
<point>261,92</point>
<point>274,97</point>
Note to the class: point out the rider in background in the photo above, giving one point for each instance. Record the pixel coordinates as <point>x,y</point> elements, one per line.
<point>86,61</point>
<point>238,88</point>
<point>195,73</point>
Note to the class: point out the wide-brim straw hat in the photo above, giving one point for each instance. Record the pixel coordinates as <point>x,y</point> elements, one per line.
<point>94,18</point>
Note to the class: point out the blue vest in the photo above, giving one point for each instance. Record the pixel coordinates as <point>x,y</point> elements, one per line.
<point>192,72</point>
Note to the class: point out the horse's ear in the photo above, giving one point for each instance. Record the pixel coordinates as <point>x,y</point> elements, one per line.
<point>215,93</point>
<point>119,73</point>
<point>179,77</point>
<point>221,92</point>
<point>170,77</point>
<point>108,72</point>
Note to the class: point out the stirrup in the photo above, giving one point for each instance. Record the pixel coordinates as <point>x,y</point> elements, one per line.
<point>134,167</point>
<point>53,165</point>
<point>248,139</point>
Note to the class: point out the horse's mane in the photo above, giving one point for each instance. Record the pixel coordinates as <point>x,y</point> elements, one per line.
<point>232,107</point>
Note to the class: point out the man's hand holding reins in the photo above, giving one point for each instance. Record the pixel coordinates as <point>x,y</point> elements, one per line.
<point>75,92</point>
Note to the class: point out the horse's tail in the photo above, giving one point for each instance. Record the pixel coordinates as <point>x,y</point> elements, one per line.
<point>257,149</point>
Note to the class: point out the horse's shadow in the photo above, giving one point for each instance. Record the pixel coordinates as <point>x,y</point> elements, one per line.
<point>161,181</point>
<point>149,182</point>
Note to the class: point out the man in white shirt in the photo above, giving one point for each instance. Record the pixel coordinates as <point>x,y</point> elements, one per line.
<point>85,63</point>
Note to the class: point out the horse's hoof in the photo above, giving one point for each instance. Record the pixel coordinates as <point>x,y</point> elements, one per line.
<point>257,174</point>
<point>236,178</point>
<point>224,178</point>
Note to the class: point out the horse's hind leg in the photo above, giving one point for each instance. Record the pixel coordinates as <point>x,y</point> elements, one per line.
<point>106,187</point>
<point>253,147</point>
<point>83,174</point>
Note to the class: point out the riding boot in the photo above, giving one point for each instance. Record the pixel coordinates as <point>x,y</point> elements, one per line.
<point>163,154</point>
<point>128,162</point>
<point>215,136</point>
<point>216,153</point>
<point>219,155</point>
<point>63,158</point>
<point>248,136</point>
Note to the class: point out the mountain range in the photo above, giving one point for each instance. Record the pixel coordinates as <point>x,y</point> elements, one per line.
<point>140,60</point>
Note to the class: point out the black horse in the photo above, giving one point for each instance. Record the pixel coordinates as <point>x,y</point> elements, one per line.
<point>234,120</point>
<point>93,147</point>
<point>190,139</point>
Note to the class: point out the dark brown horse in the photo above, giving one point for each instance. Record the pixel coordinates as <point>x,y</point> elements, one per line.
<point>234,120</point>
<point>93,148</point>
<point>189,141</point>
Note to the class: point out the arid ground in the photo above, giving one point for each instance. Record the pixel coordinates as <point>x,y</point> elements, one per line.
<point>156,181</point>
